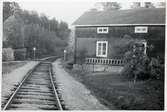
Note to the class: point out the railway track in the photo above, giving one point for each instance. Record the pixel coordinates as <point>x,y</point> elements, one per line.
<point>37,91</point>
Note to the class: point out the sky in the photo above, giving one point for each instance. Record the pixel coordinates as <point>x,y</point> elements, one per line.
<point>66,11</point>
<point>61,10</point>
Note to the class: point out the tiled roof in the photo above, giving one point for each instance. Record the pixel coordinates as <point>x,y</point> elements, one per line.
<point>130,16</point>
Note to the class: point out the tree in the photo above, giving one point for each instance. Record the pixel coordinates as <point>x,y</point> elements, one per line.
<point>44,21</point>
<point>142,4</point>
<point>9,8</point>
<point>12,29</point>
<point>34,17</point>
<point>53,23</point>
<point>110,5</point>
<point>28,29</point>
<point>63,31</point>
<point>13,25</point>
<point>160,4</point>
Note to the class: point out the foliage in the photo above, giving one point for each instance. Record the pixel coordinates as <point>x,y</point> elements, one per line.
<point>118,92</point>
<point>82,56</point>
<point>20,54</point>
<point>122,45</point>
<point>28,29</point>
<point>139,66</point>
<point>9,9</point>
<point>110,5</point>
<point>156,68</point>
<point>138,5</point>
<point>12,29</point>
<point>7,54</point>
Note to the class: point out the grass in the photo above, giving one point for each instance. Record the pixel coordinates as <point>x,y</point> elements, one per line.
<point>8,67</point>
<point>124,94</point>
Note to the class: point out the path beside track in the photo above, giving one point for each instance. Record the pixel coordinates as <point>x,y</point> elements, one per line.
<point>75,95</point>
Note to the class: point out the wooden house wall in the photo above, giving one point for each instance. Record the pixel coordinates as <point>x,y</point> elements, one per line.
<point>89,45</point>
<point>154,32</point>
<point>86,38</point>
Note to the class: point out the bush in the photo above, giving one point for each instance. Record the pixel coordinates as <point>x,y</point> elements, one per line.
<point>7,54</point>
<point>139,66</point>
<point>156,68</point>
<point>20,54</point>
<point>145,69</point>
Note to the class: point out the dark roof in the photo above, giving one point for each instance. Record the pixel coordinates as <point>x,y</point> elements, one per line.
<point>130,16</point>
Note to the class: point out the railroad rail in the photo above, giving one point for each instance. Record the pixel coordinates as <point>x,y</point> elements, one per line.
<point>37,90</point>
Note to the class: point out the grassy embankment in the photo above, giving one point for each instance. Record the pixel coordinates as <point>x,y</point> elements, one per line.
<point>117,90</point>
<point>8,67</point>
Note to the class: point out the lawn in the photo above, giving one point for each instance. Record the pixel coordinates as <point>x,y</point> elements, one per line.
<point>124,94</point>
<point>7,67</point>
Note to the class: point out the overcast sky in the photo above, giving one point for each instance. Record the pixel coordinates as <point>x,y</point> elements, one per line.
<point>66,11</point>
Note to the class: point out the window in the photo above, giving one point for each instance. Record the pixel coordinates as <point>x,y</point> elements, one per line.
<point>102,30</point>
<point>101,48</point>
<point>141,46</point>
<point>145,47</point>
<point>141,29</point>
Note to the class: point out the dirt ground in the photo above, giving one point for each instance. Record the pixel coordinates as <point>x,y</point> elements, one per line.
<point>75,95</point>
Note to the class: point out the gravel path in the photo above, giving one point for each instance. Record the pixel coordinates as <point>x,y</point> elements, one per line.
<point>75,95</point>
<point>11,79</point>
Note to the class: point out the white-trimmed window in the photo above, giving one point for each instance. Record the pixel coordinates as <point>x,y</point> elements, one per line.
<point>142,46</point>
<point>141,29</point>
<point>101,48</point>
<point>102,30</point>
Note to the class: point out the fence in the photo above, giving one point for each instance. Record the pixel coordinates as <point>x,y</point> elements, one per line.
<point>119,62</point>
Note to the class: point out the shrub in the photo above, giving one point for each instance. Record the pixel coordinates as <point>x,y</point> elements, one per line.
<point>7,54</point>
<point>156,68</point>
<point>20,54</point>
<point>139,66</point>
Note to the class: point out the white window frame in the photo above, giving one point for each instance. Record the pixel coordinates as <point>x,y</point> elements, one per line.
<point>145,47</point>
<point>141,29</point>
<point>101,51</point>
<point>102,30</point>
